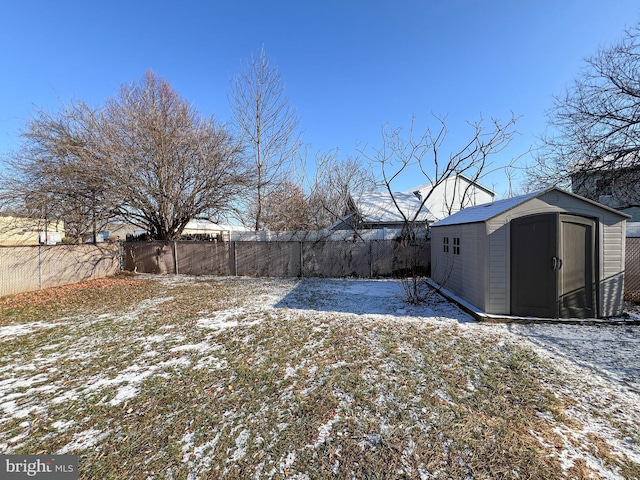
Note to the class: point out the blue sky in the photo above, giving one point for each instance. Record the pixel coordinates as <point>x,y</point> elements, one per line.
<point>349,66</point>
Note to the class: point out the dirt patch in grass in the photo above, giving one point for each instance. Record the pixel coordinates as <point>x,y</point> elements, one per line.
<point>213,378</point>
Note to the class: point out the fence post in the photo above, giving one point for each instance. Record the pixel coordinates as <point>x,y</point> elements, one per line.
<point>370,259</point>
<point>235,260</point>
<point>39,267</point>
<point>301,259</point>
<point>121,253</point>
<point>175,256</point>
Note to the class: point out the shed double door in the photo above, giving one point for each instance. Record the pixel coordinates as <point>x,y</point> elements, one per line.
<point>553,266</point>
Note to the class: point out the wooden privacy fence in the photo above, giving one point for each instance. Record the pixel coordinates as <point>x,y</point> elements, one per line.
<point>27,268</point>
<point>374,258</point>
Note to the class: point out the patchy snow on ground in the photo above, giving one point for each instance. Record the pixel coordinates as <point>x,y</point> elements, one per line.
<point>611,351</point>
<point>11,331</point>
<point>602,360</point>
<point>83,441</point>
<point>602,363</point>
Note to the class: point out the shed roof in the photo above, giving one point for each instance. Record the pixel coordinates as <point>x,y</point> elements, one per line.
<point>378,207</point>
<point>487,211</point>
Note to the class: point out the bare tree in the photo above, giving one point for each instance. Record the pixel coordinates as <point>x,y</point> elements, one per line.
<point>267,126</point>
<point>53,177</point>
<point>595,126</point>
<point>167,163</point>
<point>334,180</point>
<point>286,208</point>
<point>146,157</point>
<point>421,153</point>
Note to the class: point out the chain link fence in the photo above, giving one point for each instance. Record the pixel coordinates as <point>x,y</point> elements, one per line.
<point>28,268</point>
<point>364,259</point>
<point>632,270</point>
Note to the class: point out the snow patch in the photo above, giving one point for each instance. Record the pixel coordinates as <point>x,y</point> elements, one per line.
<point>241,446</point>
<point>83,441</point>
<point>11,331</point>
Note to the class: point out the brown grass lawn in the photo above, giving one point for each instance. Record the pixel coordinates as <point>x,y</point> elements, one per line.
<point>177,377</point>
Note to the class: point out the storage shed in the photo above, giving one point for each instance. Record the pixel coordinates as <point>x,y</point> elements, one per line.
<point>547,254</point>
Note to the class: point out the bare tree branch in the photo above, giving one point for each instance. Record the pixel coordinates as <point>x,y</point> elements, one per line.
<point>422,152</point>
<point>333,182</point>
<point>594,128</point>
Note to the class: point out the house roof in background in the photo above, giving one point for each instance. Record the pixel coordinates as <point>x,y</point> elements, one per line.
<point>211,226</point>
<point>609,163</point>
<point>484,212</point>
<point>479,185</point>
<point>379,207</point>
<point>633,229</point>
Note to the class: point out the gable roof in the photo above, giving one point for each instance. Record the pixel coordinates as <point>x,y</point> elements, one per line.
<point>378,207</point>
<point>460,175</point>
<point>482,213</point>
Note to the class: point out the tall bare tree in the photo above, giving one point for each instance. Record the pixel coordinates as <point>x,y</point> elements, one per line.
<point>267,125</point>
<point>595,126</point>
<point>168,164</point>
<point>146,157</point>
<point>421,153</point>
<point>52,176</point>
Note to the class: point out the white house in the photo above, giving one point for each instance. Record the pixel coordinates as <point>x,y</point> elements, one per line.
<point>452,195</point>
<point>30,231</point>
<point>614,185</point>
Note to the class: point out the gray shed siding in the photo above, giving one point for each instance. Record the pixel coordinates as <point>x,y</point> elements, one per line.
<point>498,291</point>
<point>611,291</point>
<point>463,273</point>
<point>611,250</point>
<point>490,270</point>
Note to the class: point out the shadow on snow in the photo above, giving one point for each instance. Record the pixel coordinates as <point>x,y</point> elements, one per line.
<point>365,297</point>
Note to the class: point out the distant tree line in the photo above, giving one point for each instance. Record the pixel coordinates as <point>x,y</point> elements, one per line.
<point>147,158</point>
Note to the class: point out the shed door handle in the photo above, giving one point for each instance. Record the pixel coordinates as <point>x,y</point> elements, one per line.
<point>557,263</point>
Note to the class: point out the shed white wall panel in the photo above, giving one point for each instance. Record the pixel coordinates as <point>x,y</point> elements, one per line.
<point>611,291</point>
<point>497,291</point>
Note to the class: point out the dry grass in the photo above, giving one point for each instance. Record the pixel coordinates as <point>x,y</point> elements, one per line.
<point>97,295</point>
<point>204,378</point>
